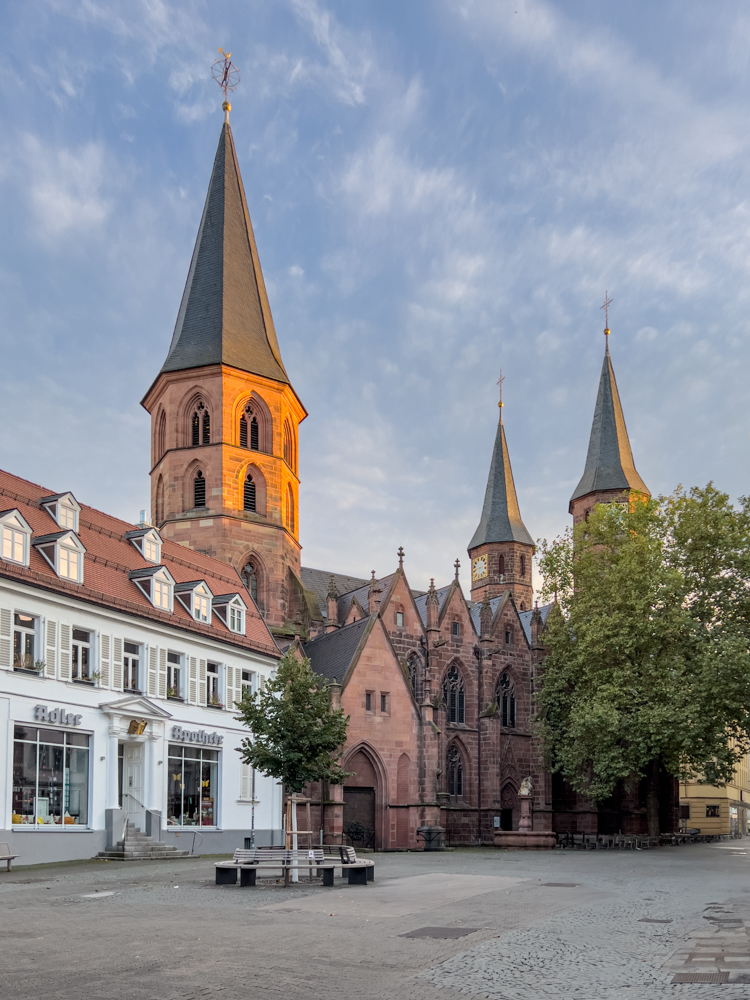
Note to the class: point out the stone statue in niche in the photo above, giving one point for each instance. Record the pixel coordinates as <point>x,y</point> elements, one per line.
<point>526,787</point>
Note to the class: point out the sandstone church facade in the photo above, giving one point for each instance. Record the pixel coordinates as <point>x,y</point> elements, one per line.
<point>439,686</point>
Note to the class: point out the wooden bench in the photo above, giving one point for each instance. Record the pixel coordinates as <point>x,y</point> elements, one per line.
<point>250,861</point>
<point>6,856</point>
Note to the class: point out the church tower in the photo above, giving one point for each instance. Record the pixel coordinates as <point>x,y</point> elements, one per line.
<point>610,472</point>
<point>501,549</point>
<point>224,415</point>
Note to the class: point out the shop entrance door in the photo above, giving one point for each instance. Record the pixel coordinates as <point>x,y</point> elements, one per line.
<point>132,781</point>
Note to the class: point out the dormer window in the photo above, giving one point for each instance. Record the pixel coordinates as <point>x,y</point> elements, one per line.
<point>157,584</point>
<point>148,542</point>
<point>231,610</point>
<point>196,598</point>
<point>15,533</point>
<point>64,552</point>
<point>64,508</point>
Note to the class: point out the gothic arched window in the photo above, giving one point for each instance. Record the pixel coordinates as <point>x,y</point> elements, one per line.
<point>248,498</point>
<point>501,565</point>
<point>507,698</point>
<point>159,500</point>
<point>201,421</point>
<point>161,436</point>
<point>290,508</point>
<point>199,490</point>
<point>523,566</point>
<point>413,664</point>
<point>453,695</point>
<point>250,579</point>
<point>288,445</point>
<point>454,771</point>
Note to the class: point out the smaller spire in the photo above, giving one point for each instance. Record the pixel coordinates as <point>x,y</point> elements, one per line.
<point>457,565</point>
<point>400,555</point>
<point>332,591</point>
<point>432,597</point>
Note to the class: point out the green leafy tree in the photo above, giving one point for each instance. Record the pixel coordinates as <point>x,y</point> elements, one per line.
<point>296,736</point>
<point>649,664</point>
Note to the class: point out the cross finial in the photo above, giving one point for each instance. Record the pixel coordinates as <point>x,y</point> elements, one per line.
<point>400,555</point>
<point>607,303</point>
<point>457,564</point>
<point>500,385</point>
<point>227,76</point>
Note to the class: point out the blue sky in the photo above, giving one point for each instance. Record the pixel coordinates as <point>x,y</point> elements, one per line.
<point>439,189</point>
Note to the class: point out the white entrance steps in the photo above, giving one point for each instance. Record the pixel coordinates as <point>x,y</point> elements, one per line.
<point>136,846</point>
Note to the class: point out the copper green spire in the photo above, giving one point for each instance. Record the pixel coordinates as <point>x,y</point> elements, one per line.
<point>609,462</point>
<point>224,316</point>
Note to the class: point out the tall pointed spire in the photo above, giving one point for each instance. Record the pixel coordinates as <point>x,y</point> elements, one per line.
<point>501,516</point>
<point>224,316</point>
<point>609,463</point>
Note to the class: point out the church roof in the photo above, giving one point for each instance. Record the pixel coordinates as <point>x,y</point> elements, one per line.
<point>421,602</point>
<point>224,316</point>
<point>331,654</point>
<point>609,462</point>
<point>501,517</point>
<point>318,580</point>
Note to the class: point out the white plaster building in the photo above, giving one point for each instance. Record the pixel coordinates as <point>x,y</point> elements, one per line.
<point>121,658</point>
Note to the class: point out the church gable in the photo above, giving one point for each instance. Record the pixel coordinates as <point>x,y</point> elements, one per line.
<point>398,608</point>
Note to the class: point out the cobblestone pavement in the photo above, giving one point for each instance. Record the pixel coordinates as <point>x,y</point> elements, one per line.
<point>463,924</point>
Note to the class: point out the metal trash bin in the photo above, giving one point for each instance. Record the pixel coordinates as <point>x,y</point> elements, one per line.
<point>432,836</point>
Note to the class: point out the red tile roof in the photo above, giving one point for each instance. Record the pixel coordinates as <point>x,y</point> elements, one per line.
<point>110,557</point>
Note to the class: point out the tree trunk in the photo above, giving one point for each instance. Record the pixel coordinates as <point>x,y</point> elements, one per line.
<point>652,799</point>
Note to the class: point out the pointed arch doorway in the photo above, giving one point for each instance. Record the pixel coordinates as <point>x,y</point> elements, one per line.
<point>363,795</point>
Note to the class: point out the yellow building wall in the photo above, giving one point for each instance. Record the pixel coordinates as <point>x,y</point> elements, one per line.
<point>698,797</point>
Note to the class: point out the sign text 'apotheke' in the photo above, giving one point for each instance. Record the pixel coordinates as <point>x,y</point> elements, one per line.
<point>196,736</point>
<point>57,716</point>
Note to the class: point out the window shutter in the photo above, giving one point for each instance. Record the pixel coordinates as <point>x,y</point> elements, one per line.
<point>106,643</point>
<point>246,781</point>
<point>193,682</point>
<point>233,694</point>
<point>50,648</point>
<point>152,671</point>
<point>201,682</point>
<point>162,673</point>
<point>65,652</point>
<point>5,660</point>
<point>117,665</point>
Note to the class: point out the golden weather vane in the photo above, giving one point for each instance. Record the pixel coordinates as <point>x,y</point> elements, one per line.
<point>605,306</point>
<point>227,76</point>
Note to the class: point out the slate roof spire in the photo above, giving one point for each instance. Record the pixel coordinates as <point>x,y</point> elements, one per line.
<point>224,316</point>
<point>501,517</point>
<point>609,462</point>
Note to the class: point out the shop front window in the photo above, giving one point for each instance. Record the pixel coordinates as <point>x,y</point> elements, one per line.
<point>50,777</point>
<point>193,780</point>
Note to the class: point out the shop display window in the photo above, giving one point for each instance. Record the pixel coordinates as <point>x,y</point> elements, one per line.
<point>50,777</point>
<point>193,781</point>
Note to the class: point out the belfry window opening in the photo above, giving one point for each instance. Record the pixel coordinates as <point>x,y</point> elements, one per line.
<point>249,494</point>
<point>200,426</point>
<point>453,696</point>
<point>199,490</point>
<point>508,701</point>
<point>249,430</point>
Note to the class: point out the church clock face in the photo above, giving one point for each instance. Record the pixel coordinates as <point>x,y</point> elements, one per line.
<point>479,568</point>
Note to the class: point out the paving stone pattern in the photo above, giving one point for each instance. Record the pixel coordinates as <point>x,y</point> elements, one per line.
<point>581,925</point>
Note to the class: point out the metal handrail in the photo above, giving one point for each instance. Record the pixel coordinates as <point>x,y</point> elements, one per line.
<point>138,802</point>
